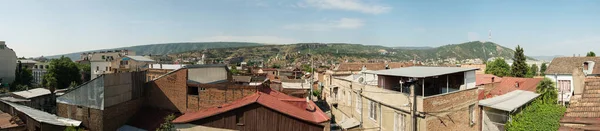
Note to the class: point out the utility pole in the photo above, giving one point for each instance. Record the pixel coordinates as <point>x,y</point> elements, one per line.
<point>414,106</point>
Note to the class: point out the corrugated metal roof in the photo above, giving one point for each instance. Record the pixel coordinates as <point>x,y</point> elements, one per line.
<point>12,99</point>
<point>139,58</point>
<point>33,93</point>
<point>44,117</point>
<point>421,71</point>
<point>166,66</point>
<point>509,101</point>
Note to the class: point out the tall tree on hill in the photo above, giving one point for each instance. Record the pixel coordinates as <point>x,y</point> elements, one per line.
<point>61,73</point>
<point>591,54</point>
<point>519,67</point>
<point>498,67</point>
<point>543,69</point>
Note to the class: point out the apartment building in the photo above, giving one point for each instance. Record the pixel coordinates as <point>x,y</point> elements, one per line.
<point>410,98</point>
<point>7,70</point>
<point>39,70</point>
<point>131,63</point>
<point>101,62</point>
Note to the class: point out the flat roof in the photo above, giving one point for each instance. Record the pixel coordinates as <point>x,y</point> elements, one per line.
<point>33,93</point>
<point>421,71</point>
<point>509,101</point>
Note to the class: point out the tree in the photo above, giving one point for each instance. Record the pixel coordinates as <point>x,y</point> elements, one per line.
<point>276,66</point>
<point>519,67</point>
<point>538,116</point>
<point>23,78</point>
<point>61,73</point>
<point>532,71</point>
<point>591,54</point>
<point>543,69</point>
<point>498,67</point>
<point>234,70</point>
<point>168,125</point>
<point>547,90</point>
<point>306,68</point>
<point>85,71</point>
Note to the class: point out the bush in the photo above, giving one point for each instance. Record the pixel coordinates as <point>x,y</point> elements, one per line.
<point>539,116</point>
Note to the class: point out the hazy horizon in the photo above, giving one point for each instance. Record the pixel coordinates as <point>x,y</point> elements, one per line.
<point>543,28</point>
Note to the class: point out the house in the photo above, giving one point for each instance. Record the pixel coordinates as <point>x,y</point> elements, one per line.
<point>262,111</point>
<point>497,111</point>
<point>583,113</point>
<point>130,63</point>
<point>7,70</point>
<point>104,103</point>
<point>409,98</point>
<point>38,98</point>
<point>101,62</point>
<point>196,87</point>
<point>156,70</point>
<point>509,84</point>
<point>29,64</point>
<point>484,79</point>
<point>39,70</point>
<point>562,70</point>
<point>36,120</point>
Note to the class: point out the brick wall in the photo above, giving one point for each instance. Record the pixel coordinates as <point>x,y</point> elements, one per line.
<point>117,115</point>
<point>89,117</point>
<point>451,111</point>
<point>169,92</point>
<point>218,94</point>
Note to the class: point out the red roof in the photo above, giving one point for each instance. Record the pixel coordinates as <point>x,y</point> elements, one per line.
<point>482,79</point>
<point>509,84</point>
<point>291,106</point>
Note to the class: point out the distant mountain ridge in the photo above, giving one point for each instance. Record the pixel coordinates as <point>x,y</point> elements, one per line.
<point>168,48</point>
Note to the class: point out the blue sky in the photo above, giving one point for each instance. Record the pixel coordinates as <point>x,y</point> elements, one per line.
<point>38,27</point>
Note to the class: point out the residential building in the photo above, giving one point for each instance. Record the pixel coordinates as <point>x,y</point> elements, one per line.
<point>196,87</point>
<point>496,111</point>
<point>7,70</point>
<point>409,98</point>
<point>101,62</point>
<point>563,71</point>
<point>156,70</point>
<point>38,98</point>
<point>354,68</point>
<point>29,64</point>
<point>36,120</point>
<point>583,113</point>
<point>262,111</point>
<point>104,103</point>
<point>39,70</point>
<point>130,63</point>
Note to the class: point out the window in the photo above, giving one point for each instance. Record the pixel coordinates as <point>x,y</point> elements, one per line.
<point>192,90</point>
<point>105,68</point>
<point>472,115</point>
<point>358,105</point>
<point>399,124</point>
<point>373,110</point>
<point>349,98</point>
<point>97,68</point>
<point>47,66</point>
<point>239,118</point>
<point>103,57</point>
<point>585,66</point>
<point>202,89</point>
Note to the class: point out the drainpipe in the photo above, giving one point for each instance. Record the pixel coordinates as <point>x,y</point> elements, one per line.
<point>361,107</point>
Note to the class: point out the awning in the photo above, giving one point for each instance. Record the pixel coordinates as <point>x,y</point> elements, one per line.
<point>348,123</point>
<point>509,101</point>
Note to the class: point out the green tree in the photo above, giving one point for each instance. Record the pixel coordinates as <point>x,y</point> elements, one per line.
<point>532,71</point>
<point>591,54</point>
<point>547,90</point>
<point>234,70</point>
<point>276,66</point>
<point>23,78</point>
<point>538,116</point>
<point>168,125</point>
<point>543,69</point>
<point>85,71</point>
<point>61,73</point>
<point>498,67</point>
<point>306,68</point>
<point>519,67</point>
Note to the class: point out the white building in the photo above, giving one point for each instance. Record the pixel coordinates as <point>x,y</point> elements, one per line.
<point>8,66</point>
<point>100,62</point>
<point>38,72</point>
<point>562,69</point>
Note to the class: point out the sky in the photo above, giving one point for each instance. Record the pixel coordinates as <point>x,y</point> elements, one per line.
<point>35,28</point>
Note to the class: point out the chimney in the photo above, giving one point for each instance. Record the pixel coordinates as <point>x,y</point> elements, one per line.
<point>493,79</point>
<point>160,66</point>
<point>516,84</point>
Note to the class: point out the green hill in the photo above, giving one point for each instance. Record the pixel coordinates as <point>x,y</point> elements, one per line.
<point>169,48</point>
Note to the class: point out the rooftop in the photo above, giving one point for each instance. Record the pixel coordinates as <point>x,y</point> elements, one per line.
<point>138,58</point>
<point>421,71</point>
<point>33,93</point>
<point>565,65</point>
<point>294,107</point>
<point>166,66</point>
<point>509,84</point>
<point>510,101</point>
<point>44,117</point>
<point>482,79</point>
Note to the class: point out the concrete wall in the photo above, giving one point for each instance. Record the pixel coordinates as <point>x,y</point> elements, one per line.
<point>8,58</point>
<point>208,74</point>
<point>578,81</point>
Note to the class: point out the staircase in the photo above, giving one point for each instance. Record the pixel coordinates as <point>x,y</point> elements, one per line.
<point>584,110</point>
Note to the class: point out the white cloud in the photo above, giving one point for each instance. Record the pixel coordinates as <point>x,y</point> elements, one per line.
<point>348,5</point>
<point>258,39</point>
<point>473,36</point>
<point>343,23</point>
